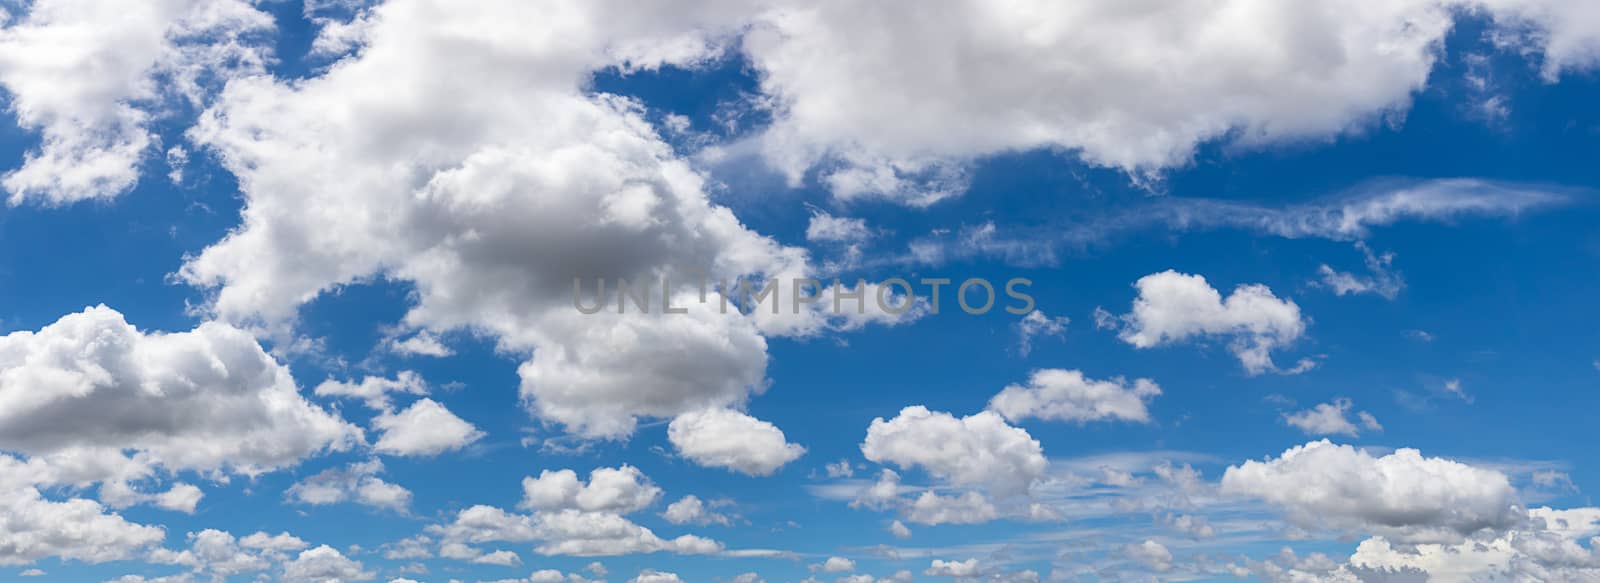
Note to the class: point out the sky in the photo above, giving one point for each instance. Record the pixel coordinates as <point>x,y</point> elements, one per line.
<point>289,291</point>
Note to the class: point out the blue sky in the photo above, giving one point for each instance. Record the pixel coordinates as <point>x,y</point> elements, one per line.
<point>1405,229</point>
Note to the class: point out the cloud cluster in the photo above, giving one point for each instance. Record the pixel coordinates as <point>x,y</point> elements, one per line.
<point>976,450</point>
<point>97,399</point>
<point>1066,395</point>
<point>570,517</point>
<point>1402,496</point>
<point>1173,307</point>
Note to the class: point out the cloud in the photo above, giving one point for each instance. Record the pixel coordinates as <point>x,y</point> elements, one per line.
<point>84,392</point>
<point>90,75</point>
<point>979,449</point>
<point>724,438</point>
<point>1332,419</point>
<point>375,390</point>
<point>1151,554</point>
<point>358,482</point>
<point>1066,395</point>
<point>425,428</point>
<point>825,227</point>
<point>1546,549</point>
<point>572,518</point>
<point>1402,496</point>
<point>35,528</point>
<point>835,565</point>
<point>1173,307</point>
<point>324,563</point>
<point>621,490</point>
<point>1036,324</point>
<point>690,510</point>
<point>968,508</point>
<point>940,568</point>
<point>1381,280</point>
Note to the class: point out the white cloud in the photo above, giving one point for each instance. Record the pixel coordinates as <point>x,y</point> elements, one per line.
<point>1403,495</point>
<point>1173,307</point>
<point>1066,395</point>
<point>422,343</point>
<point>1546,549</point>
<point>835,565</point>
<point>621,490</point>
<point>1332,419</point>
<point>358,482</point>
<point>899,529</point>
<point>34,528</point>
<point>690,510</point>
<point>725,438</point>
<point>1273,73</point>
<point>572,518</point>
<point>375,390</point>
<point>90,75</point>
<point>80,392</point>
<point>941,568</point>
<point>654,576</point>
<point>825,227</point>
<point>1381,278</point>
<point>978,449</point>
<point>425,428</point>
<point>1036,324</point>
<point>323,564</point>
<point>968,508</point>
<point>1151,554</point>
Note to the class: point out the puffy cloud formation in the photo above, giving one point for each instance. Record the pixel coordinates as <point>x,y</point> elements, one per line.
<point>1546,549</point>
<point>33,528</point>
<point>978,449</point>
<point>620,490</point>
<point>968,508</point>
<point>90,75</point>
<point>218,554</point>
<point>1332,419</point>
<point>1173,307</point>
<point>324,563</point>
<point>690,510</point>
<point>375,391</point>
<point>725,438</point>
<point>1151,554</point>
<point>572,518</point>
<point>565,532</point>
<point>358,482</point>
<point>80,392</point>
<point>1066,395</point>
<point>423,429</point>
<point>858,86</point>
<point>941,568</point>
<point>1402,496</point>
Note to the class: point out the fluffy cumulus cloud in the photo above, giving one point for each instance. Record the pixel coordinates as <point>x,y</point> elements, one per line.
<point>33,527</point>
<point>691,510</point>
<point>422,429</point>
<point>91,398</point>
<point>621,490</point>
<point>358,482</point>
<point>1173,307</point>
<point>1403,496</point>
<point>491,202</point>
<point>976,450</point>
<point>1548,548</point>
<point>725,438</point>
<point>856,91</point>
<point>1332,419</point>
<point>324,563</point>
<point>570,517</point>
<point>1067,395</point>
<point>90,75</point>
